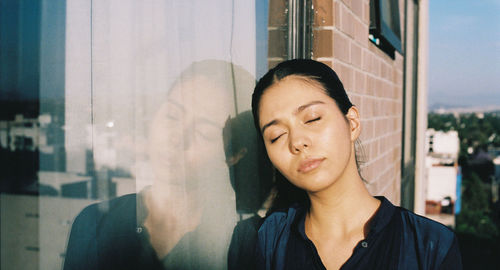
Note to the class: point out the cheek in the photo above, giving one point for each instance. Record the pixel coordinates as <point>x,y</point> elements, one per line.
<point>337,142</point>
<point>277,157</point>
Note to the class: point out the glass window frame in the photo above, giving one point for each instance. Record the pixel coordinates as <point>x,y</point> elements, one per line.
<point>385,26</point>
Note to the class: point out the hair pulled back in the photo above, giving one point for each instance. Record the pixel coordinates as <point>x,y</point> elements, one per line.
<point>286,193</point>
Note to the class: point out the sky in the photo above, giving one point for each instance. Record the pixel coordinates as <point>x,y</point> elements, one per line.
<point>464,53</point>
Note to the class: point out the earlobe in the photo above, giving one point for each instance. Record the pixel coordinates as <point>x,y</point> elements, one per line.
<point>354,122</point>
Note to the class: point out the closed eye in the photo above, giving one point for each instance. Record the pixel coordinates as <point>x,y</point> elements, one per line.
<point>313,120</point>
<point>275,139</point>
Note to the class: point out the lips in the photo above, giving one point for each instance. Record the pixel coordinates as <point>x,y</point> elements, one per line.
<point>309,164</point>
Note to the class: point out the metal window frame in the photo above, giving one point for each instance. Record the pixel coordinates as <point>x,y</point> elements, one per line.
<point>300,35</point>
<point>386,35</point>
<point>408,167</point>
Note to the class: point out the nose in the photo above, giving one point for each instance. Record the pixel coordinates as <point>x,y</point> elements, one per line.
<point>299,142</point>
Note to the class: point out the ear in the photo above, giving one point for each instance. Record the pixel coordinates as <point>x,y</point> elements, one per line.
<point>354,122</point>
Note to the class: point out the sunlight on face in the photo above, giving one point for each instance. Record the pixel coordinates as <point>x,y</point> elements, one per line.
<point>307,137</point>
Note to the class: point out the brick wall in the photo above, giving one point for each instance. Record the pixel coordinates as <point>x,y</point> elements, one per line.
<point>374,82</point>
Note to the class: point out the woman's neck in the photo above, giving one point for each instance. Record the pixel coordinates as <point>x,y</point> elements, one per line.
<point>343,208</point>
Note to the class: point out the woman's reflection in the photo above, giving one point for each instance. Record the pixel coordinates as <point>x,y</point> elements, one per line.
<point>185,219</point>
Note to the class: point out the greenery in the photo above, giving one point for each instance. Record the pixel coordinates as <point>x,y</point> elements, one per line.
<point>474,131</point>
<point>477,224</point>
<point>476,215</point>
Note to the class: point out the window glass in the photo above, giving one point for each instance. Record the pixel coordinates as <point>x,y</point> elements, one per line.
<point>125,131</point>
<point>385,30</point>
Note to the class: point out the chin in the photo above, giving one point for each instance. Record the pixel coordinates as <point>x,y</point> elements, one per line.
<point>314,182</point>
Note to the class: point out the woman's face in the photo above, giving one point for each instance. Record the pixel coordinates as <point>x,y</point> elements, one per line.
<point>186,133</point>
<point>307,137</point>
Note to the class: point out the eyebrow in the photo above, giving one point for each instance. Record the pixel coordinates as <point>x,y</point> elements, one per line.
<point>303,107</point>
<point>298,110</point>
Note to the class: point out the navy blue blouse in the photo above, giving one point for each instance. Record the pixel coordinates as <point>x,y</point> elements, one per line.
<point>398,239</point>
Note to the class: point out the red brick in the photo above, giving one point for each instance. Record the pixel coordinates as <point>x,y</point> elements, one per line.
<point>387,89</point>
<point>387,110</point>
<point>366,110</point>
<point>370,85</point>
<point>359,82</point>
<point>345,74</point>
<point>363,136</point>
<point>357,8</point>
<point>375,65</point>
<point>360,32</point>
<point>399,90</point>
<point>383,70</point>
<point>378,88</point>
<point>323,12</point>
<point>347,2</point>
<point>368,129</point>
<point>355,99</point>
<point>399,61</point>
<point>328,63</point>
<point>390,122</point>
<point>337,15</point>
<point>366,12</point>
<point>377,145</point>
<point>380,129</point>
<point>356,55</point>
<point>397,123</point>
<point>389,72</point>
<point>341,47</point>
<point>365,57</point>
<point>322,43</point>
<point>347,22</point>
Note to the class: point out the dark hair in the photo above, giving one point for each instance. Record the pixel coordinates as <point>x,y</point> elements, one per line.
<point>250,170</point>
<point>287,193</point>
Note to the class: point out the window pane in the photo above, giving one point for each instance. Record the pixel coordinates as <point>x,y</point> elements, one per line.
<point>127,139</point>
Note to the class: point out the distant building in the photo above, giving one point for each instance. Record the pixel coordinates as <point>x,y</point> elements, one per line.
<point>442,145</point>
<point>443,185</point>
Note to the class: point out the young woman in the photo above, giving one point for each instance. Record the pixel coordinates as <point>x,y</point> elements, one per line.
<point>324,217</point>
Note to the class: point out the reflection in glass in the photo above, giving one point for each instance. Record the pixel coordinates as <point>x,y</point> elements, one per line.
<point>185,218</point>
<point>113,102</point>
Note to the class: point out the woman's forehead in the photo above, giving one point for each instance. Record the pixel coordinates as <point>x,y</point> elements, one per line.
<point>287,97</point>
<point>291,92</point>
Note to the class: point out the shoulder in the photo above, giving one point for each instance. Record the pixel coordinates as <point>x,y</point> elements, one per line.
<point>427,229</point>
<point>90,217</point>
<point>431,241</point>
<point>273,237</point>
<point>278,221</point>
<point>95,229</point>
